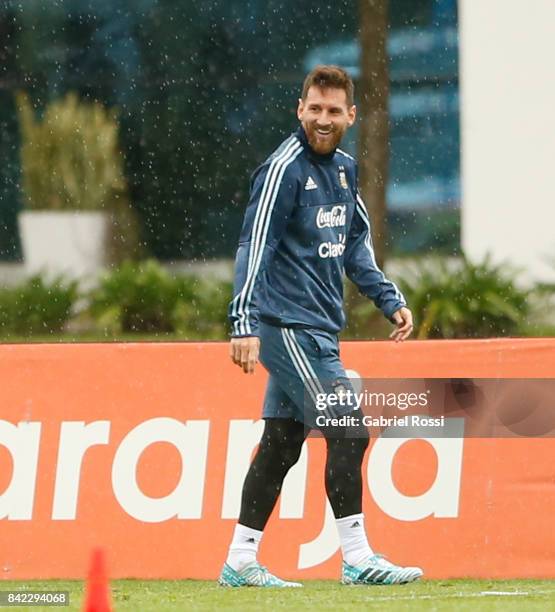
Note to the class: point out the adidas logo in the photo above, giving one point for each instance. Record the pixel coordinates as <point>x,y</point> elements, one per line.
<point>251,541</point>
<point>310,184</point>
<point>355,524</point>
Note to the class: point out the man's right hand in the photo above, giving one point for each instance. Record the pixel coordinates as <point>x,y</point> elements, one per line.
<point>244,352</point>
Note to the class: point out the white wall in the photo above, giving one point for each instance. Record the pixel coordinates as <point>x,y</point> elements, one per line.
<point>507,73</point>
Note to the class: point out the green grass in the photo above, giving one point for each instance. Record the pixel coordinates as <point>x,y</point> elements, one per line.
<point>181,595</point>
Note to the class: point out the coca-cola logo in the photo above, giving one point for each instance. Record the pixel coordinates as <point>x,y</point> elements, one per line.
<point>335,217</point>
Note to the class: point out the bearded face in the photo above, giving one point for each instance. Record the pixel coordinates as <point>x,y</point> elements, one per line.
<point>325,117</point>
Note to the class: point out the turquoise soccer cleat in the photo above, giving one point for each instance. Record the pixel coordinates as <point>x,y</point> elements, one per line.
<point>254,575</point>
<point>378,570</point>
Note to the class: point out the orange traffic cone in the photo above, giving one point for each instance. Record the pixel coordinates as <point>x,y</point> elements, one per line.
<point>97,597</point>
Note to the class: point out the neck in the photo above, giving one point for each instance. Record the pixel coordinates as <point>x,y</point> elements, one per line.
<point>318,156</point>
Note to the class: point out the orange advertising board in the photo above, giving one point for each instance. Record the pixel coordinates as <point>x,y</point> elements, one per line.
<point>142,448</point>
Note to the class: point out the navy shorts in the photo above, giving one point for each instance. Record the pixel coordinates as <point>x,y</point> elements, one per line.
<point>304,368</point>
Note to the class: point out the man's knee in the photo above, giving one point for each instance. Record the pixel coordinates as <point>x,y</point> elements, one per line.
<point>286,450</point>
<point>356,430</point>
<point>349,441</point>
<point>289,455</point>
<point>363,436</point>
<point>281,444</point>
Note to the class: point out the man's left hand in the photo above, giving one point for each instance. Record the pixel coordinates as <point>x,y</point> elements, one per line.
<point>403,322</point>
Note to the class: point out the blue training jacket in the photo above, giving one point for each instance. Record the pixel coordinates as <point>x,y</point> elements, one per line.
<point>305,225</point>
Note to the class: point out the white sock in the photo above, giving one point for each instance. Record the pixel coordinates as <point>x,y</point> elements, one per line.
<point>352,535</point>
<point>243,547</point>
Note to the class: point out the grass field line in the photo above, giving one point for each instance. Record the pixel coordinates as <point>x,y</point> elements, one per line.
<point>461,595</point>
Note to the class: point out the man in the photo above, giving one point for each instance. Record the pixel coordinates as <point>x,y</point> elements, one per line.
<point>305,225</point>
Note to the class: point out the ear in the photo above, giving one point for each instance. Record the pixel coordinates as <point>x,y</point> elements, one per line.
<point>300,109</point>
<point>352,115</point>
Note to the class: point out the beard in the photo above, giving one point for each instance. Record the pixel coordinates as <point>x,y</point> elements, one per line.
<point>324,144</point>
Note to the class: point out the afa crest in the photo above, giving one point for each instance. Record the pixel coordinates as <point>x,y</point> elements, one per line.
<point>343,179</point>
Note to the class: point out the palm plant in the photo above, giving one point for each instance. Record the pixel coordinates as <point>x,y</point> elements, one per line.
<point>70,158</point>
<point>462,299</point>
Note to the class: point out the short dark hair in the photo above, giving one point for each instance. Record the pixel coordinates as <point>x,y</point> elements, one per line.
<point>329,76</point>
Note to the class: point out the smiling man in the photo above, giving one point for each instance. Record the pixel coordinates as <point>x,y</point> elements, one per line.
<point>305,227</point>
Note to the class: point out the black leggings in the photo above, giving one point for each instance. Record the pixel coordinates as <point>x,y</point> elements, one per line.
<point>279,450</point>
